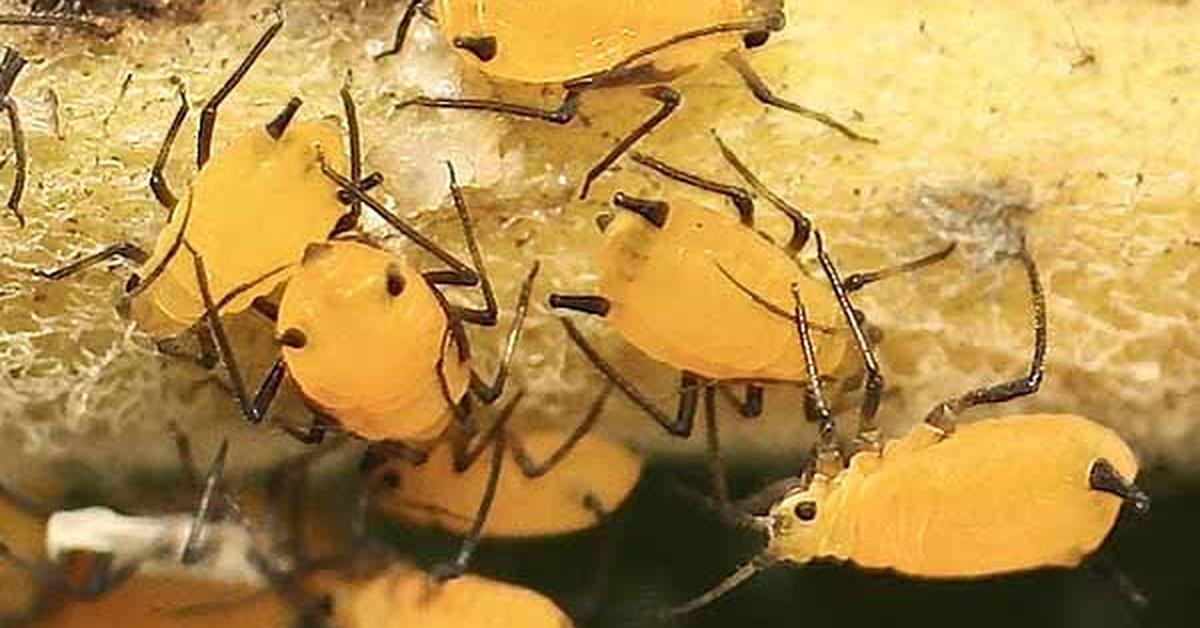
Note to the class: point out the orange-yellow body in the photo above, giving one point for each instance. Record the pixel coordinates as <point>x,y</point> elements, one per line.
<point>250,211</point>
<point>554,41</point>
<point>555,503</point>
<point>403,596</point>
<point>995,496</point>
<point>371,360</point>
<point>670,299</point>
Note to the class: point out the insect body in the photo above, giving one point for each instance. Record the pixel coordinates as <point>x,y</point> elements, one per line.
<point>585,45</point>
<point>580,478</point>
<point>999,495</point>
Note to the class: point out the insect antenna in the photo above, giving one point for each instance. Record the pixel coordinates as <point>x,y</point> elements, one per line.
<point>731,582</point>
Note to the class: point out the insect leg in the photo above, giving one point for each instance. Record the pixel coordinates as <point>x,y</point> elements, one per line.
<point>487,315</point>
<point>801,225</point>
<point>410,13</point>
<point>738,196</point>
<point>10,68</point>
<point>668,99</point>
<point>868,430</point>
<point>751,406</point>
<point>766,96</point>
<point>208,117</point>
<point>488,392</point>
<point>191,553</point>
<point>350,220</point>
<point>533,469</point>
<point>942,415</point>
<point>564,113</point>
<point>857,281</point>
<point>158,180</point>
<point>716,464</point>
<point>467,449</point>
<point>828,458</point>
<point>680,426</point>
<point>125,250</point>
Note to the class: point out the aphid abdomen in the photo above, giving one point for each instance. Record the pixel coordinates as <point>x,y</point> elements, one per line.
<point>554,41</point>
<point>251,211</point>
<point>597,472</point>
<point>370,358</point>
<point>996,496</point>
<point>671,298</point>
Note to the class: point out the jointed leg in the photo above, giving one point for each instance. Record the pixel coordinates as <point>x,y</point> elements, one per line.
<point>208,117</point>
<point>458,566</point>
<point>738,196</point>
<point>204,508</point>
<point>124,250</point>
<point>562,114</point>
<point>488,392</point>
<point>801,225</point>
<point>749,407</point>
<point>868,431</point>
<point>158,181</point>
<point>763,93</point>
<point>716,464</point>
<point>487,315</point>
<point>942,415</point>
<point>668,99</point>
<point>410,13</point>
<point>350,220</point>
<point>827,460</point>
<point>533,469</point>
<point>857,281</point>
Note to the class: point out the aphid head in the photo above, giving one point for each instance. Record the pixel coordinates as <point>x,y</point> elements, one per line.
<point>798,522</point>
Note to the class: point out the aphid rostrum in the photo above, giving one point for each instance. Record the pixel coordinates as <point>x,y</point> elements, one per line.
<point>583,46</point>
<point>267,177</point>
<point>946,501</point>
<point>698,289</point>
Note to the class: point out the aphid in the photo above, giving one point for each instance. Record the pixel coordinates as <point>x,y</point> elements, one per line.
<point>999,495</point>
<point>675,280</point>
<point>584,45</point>
<point>10,69</point>
<point>267,178</point>
<point>404,596</point>
<point>577,480</point>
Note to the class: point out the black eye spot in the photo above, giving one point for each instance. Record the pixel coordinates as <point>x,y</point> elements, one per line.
<point>805,511</point>
<point>391,480</point>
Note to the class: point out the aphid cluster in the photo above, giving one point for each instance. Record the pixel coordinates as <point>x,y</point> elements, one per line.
<point>378,350</point>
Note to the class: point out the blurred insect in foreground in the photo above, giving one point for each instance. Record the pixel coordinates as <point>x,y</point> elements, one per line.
<point>674,283</point>
<point>107,568</point>
<point>584,45</point>
<point>994,496</point>
<point>251,211</point>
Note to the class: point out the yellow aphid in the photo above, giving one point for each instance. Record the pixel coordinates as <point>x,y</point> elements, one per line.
<point>370,357</point>
<point>998,495</point>
<point>586,46</point>
<point>170,602</point>
<point>995,496</point>
<point>541,42</point>
<point>251,211</point>
<point>657,278</point>
<point>404,596</point>
<point>594,479</point>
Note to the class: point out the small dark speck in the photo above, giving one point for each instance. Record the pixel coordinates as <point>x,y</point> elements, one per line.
<point>993,109</point>
<point>1193,242</point>
<point>1141,178</point>
<point>857,192</point>
<point>1101,175</point>
<point>921,27</point>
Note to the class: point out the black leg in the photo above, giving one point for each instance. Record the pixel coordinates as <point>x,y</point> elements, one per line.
<point>681,426</point>
<point>828,458</point>
<point>562,114</point>
<point>458,566</point>
<point>210,356</point>
<point>350,220</point>
<point>763,93</point>
<point>488,392</point>
<point>124,250</point>
<point>668,99</point>
<point>801,225</point>
<point>942,415</point>
<point>204,508</point>
<point>857,281</point>
<point>533,469</point>
<point>868,431</point>
<point>158,181</point>
<point>208,117</point>
<point>738,196</point>
<point>751,406</point>
<point>410,13</point>
<point>10,68</point>
<point>488,314</point>
<point>467,448</point>
<point>458,270</point>
<point>716,463</point>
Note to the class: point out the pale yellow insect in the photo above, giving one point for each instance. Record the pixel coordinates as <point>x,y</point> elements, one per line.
<point>584,46</point>
<point>995,496</point>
